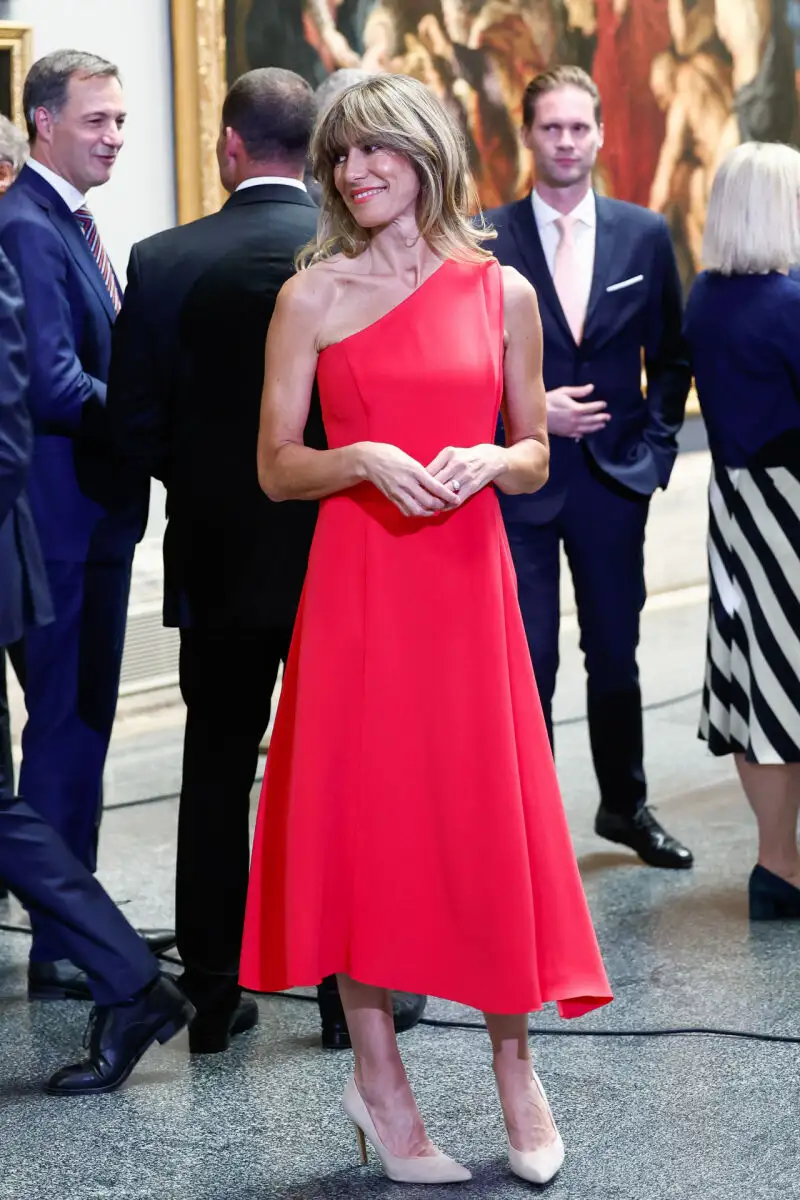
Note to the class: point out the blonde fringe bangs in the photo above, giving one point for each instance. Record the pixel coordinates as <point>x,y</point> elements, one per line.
<point>400,114</point>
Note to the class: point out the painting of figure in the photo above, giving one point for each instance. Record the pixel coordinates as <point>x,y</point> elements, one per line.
<point>16,47</point>
<point>682,80</point>
<point>6,107</point>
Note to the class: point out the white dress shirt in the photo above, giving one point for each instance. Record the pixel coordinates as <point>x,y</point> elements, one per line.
<point>584,233</point>
<point>67,191</point>
<point>259,180</point>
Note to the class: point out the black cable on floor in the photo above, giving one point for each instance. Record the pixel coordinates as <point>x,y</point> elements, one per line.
<point>652,707</point>
<point>679,1031</point>
<point>142,800</point>
<point>479,1027</point>
<point>577,720</point>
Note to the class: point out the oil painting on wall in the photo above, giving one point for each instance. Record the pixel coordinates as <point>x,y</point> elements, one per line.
<point>16,43</point>
<point>682,80</point>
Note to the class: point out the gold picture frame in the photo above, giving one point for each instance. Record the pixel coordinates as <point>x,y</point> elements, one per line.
<point>16,56</point>
<point>199,86</point>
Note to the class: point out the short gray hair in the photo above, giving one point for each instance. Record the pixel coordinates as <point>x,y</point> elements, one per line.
<point>13,145</point>
<point>753,218</point>
<point>336,83</point>
<point>47,84</point>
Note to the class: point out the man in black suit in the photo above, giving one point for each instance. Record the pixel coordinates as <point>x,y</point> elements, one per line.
<point>610,299</point>
<point>134,1005</point>
<point>184,401</point>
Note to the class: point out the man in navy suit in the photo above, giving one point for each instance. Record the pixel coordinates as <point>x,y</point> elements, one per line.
<point>24,594</point>
<point>13,152</point>
<point>89,506</point>
<point>135,1006</point>
<point>610,300</point>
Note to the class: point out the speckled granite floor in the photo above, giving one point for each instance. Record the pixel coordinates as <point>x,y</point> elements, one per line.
<point>661,1119</point>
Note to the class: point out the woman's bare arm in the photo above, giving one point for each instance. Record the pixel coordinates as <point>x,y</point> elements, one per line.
<point>524,404</point>
<point>287,469</point>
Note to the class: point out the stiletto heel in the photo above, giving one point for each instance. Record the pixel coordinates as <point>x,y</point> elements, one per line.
<point>434,1168</point>
<point>362,1144</point>
<point>538,1166</point>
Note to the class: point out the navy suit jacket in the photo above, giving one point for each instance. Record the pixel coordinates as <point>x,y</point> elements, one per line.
<point>638,322</point>
<point>88,503</point>
<point>24,595</point>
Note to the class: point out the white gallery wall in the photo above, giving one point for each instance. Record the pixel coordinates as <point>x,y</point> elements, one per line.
<point>135,34</point>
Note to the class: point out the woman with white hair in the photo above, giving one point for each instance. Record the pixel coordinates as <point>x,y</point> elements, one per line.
<point>13,152</point>
<point>743,328</point>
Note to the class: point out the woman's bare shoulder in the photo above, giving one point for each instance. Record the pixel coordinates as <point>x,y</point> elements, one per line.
<point>309,293</point>
<point>517,290</point>
<point>317,287</point>
<point>520,305</point>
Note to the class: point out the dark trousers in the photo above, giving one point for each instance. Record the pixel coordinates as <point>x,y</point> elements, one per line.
<point>58,890</point>
<point>72,669</point>
<point>17,656</point>
<point>227,678</point>
<point>602,528</point>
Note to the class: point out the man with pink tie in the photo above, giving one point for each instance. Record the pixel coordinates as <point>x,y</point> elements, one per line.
<point>610,299</point>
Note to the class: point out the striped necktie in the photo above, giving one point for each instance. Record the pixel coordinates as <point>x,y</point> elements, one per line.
<point>89,229</point>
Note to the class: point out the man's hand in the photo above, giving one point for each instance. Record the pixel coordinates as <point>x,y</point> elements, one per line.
<point>569,416</point>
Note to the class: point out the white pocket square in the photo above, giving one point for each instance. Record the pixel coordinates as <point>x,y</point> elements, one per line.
<point>617,287</point>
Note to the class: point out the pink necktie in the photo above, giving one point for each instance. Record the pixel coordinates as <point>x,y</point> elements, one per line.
<point>565,277</point>
<point>89,228</point>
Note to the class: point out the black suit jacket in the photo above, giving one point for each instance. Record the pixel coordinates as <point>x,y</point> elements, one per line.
<point>634,316</point>
<point>184,397</point>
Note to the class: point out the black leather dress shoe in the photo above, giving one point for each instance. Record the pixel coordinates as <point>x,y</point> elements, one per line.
<point>59,980</point>
<point>62,980</point>
<point>211,1031</point>
<point>407,1008</point>
<point>643,834</point>
<point>118,1036</point>
<point>159,941</point>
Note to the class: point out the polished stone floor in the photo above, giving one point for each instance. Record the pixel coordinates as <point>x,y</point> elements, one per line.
<point>661,1118</point>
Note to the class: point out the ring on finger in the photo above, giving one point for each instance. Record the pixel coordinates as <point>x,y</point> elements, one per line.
<point>455,486</point>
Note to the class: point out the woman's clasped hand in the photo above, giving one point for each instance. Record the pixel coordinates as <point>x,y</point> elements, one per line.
<point>454,475</point>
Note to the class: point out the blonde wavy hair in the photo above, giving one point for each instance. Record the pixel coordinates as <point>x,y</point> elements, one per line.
<point>400,114</point>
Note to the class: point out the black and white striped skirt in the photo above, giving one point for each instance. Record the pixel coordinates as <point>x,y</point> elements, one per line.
<point>751,697</point>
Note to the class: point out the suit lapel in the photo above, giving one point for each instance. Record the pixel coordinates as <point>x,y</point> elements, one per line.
<point>603,260</point>
<point>529,244</point>
<point>66,224</point>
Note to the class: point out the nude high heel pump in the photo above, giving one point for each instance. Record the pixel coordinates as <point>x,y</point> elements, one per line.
<point>436,1168</point>
<point>538,1166</point>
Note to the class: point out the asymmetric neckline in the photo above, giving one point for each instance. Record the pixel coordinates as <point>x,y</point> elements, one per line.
<point>390,312</point>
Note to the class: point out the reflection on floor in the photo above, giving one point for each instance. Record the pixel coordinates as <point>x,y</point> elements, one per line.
<point>677,1118</point>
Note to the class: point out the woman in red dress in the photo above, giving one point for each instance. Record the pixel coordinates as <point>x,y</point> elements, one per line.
<point>402,777</point>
